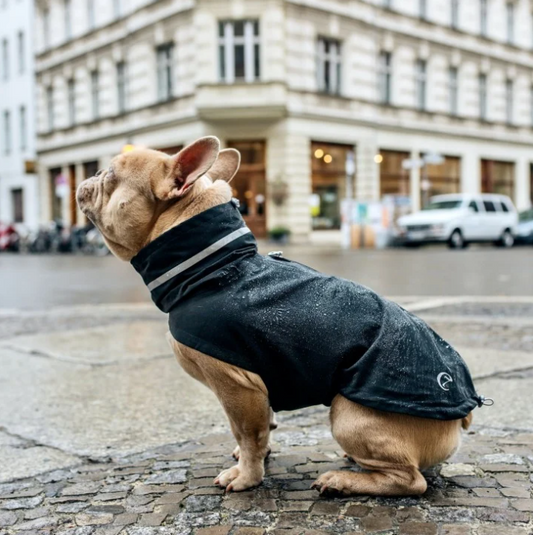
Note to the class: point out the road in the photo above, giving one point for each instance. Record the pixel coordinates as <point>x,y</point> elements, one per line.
<point>40,282</point>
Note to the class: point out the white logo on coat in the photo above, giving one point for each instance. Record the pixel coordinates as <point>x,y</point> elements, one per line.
<point>444,379</point>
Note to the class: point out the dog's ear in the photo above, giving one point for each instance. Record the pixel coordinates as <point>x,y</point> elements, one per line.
<point>183,169</point>
<point>226,166</point>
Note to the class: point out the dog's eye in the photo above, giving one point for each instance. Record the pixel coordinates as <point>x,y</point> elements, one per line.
<point>99,172</point>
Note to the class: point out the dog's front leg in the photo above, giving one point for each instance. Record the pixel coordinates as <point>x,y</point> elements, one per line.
<point>249,416</point>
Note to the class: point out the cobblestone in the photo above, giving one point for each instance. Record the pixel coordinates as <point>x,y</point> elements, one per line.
<point>488,499</point>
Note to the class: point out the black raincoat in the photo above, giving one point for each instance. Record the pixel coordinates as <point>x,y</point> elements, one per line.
<point>308,335</point>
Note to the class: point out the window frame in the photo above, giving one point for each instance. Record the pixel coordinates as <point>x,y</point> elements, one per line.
<point>421,76</point>
<point>483,96</point>
<point>95,94</point>
<point>331,61</point>
<point>50,108</point>
<point>385,73</point>
<point>509,101</point>
<point>67,7</point>
<point>23,126</point>
<point>453,90</point>
<point>21,45</point>
<point>483,17</point>
<point>5,59</point>
<point>7,130</point>
<point>122,86</point>
<point>17,194</point>
<point>71,97</point>
<point>251,43</point>
<point>91,15</point>
<point>165,71</point>
<point>454,14</point>
<point>510,20</point>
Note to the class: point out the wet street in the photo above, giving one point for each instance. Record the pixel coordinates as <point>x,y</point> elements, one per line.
<point>38,282</point>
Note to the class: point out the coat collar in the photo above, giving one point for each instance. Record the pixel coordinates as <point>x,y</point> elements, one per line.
<point>175,262</point>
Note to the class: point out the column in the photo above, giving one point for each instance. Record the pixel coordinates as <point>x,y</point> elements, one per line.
<point>366,171</point>
<point>521,189</point>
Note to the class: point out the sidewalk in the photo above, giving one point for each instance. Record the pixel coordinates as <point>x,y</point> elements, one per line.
<point>101,433</point>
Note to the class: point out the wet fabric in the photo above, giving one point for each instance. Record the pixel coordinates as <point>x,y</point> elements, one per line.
<point>310,336</point>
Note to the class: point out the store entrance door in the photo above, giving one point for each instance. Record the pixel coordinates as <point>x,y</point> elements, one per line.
<point>249,184</point>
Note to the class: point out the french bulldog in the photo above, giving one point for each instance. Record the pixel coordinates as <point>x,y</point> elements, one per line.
<point>266,333</point>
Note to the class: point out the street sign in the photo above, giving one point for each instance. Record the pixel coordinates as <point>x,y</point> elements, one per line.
<point>433,158</point>
<point>414,163</point>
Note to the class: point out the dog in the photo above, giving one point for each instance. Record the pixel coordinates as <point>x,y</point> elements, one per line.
<point>174,219</point>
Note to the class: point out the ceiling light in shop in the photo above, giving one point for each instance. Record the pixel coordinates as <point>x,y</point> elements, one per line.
<point>319,153</point>
<point>378,158</point>
<point>328,158</point>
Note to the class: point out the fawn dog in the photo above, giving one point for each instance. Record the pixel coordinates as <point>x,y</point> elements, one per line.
<point>399,395</point>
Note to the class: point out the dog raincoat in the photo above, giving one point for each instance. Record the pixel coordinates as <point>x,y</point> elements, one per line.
<point>308,335</point>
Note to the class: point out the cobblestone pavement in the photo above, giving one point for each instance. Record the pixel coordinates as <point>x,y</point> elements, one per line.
<point>485,489</point>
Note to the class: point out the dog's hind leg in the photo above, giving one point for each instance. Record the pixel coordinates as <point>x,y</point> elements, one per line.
<point>273,425</point>
<point>391,447</point>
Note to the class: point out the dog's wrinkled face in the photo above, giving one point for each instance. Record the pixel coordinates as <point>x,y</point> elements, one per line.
<point>125,200</point>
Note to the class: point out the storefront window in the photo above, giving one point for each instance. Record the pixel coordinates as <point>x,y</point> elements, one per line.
<point>249,184</point>
<point>497,177</point>
<point>394,179</point>
<point>445,177</point>
<point>329,183</point>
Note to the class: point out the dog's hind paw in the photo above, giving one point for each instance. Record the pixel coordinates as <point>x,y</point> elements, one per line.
<point>333,483</point>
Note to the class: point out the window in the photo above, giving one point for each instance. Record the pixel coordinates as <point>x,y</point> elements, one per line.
<point>7,132</point>
<point>121,87</point>
<point>68,19</point>
<point>46,27</point>
<point>489,206</point>
<point>509,101</point>
<point>329,66</point>
<point>165,72</point>
<point>454,19</point>
<point>91,14</point>
<point>23,128</point>
<point>95,94</point>
<point>497,177</point>
<point>71,95</point>
<point>17,203</point>
<point>393,178</point>
<point>117,8</point>
<point>505,208</point>
<point>453,90</point>
<point>21,52</point>
<point>5,59</point>
<point>444,178</point>
<point>483,15</point>
<point>238,51</point>
<point>473,205</point>
<point>385,78</point>
<point>482,82</point>
<point>421,83</point>
<point>510,10</point>
<point>50,107</point>
<point>387,4</point>
<point>423,9</point>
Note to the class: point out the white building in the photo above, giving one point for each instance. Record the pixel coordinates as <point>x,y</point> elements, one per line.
<point>18,181</point>
<point>295,85</point>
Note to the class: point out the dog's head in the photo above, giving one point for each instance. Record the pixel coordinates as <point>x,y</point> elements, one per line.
<point>126,200</point>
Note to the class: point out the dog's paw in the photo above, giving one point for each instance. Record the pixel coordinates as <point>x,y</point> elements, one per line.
<point>235,479</point>
<point>333,483</point>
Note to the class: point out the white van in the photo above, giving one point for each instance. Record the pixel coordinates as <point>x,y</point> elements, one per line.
<point>460,219</point>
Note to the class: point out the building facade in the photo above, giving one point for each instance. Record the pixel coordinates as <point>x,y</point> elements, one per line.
<point>18,179</point>
<point>299,87</point>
